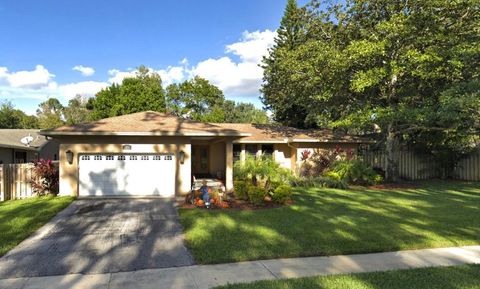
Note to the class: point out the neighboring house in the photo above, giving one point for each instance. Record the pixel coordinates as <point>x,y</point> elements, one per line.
<point>154,154</point>
<point>13,151</point>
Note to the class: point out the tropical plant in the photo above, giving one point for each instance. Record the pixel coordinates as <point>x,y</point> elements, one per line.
<point>45,178</point>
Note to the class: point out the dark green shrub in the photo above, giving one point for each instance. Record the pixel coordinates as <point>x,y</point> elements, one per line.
<point>256,195</point>
<point>282,194</point>
<point>327,181</point>
<point>240,189</point>
<point>260,168</point>
<point>355,172</point>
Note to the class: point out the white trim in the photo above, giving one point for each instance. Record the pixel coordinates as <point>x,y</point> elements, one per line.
<point>154,133</point>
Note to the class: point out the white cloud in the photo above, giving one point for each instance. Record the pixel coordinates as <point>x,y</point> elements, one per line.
<point>242,78</point>
<point>169,75</point>
<point>84,88</point>
<point>253,45</point>
<point>38,78</point>
<point>84,70</point>
<point>117,76</point>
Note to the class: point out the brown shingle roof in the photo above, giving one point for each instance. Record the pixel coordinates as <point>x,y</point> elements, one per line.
<point>145,123</point>
<point>11,138</point>
<point>155,123</point>
<point>282,134</point>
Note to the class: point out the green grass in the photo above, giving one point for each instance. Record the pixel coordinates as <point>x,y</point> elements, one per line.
<point>330,222</point>
<point>20,218</point>
<point>458,277</point>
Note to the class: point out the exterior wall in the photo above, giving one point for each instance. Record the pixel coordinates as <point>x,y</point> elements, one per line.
<point>49,151</point>
<point>6,156</point>
<point>102,145</point>
<point>282,154</point>
<point>217,159</point>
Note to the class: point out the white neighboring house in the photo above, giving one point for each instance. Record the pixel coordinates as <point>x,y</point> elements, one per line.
<point>14,151</point>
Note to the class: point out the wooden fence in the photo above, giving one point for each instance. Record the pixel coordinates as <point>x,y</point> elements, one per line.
<point>15,181</point>
<point>414,166</point>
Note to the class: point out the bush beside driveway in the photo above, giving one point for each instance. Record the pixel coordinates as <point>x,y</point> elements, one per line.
<point>331,222</point>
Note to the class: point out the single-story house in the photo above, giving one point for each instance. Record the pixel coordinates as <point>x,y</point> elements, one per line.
<point>155,154</point>
<point>33,147</point>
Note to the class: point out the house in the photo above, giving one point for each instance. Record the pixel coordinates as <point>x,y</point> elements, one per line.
<point>35,146</point>
<point>155,154</point>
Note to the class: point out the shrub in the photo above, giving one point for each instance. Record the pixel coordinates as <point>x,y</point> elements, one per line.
<point>355,172</point>
<point>260,168</point>
<point>240,189</point>
<point>45,178</point>
<point>321,160</point>
<point>327,181</point>
<point>282,194</point>
<point>256,195</point>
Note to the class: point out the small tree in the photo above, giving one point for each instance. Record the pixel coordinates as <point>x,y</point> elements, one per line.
<point>44,178</point>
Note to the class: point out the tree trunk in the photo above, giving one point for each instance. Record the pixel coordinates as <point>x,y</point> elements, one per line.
<point>391,171</point>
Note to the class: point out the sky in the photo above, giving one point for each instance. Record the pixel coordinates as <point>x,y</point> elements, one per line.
<point>54,48</point>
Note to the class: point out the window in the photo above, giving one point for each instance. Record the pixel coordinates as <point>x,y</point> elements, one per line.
<point>109,158</point>
<point>85,158</point>
<point>168,158</point>
<point>237,150</point>
<point>144,158</point>
<point>133,158</point>
<point>20,157</point>
<point>97,158</point>
<point>157,158</point>
<point>121,158</point>
<point>55,157</point>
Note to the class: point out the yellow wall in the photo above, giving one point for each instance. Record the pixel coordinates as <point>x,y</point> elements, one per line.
<point>84,144</point>
<point>217,159</point>
<point>282,154</point>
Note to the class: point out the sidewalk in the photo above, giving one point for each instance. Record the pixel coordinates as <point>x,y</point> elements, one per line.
<point>208,276</point>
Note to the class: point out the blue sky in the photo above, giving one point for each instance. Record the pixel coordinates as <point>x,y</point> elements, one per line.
<point>61,48</point>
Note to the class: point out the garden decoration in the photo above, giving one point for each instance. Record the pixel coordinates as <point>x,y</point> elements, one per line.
<point>204,194</point>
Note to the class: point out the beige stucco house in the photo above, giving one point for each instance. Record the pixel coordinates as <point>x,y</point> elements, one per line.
<point>13,151</point>
<point>154,154</point>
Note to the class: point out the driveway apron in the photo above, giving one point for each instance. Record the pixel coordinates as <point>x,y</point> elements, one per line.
<point>102,236</point>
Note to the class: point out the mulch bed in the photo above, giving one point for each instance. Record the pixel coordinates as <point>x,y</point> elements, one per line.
<point>393,186</point>
<point>234,204</point>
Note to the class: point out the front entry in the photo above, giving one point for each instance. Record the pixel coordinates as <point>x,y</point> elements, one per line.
<point>200,160</point>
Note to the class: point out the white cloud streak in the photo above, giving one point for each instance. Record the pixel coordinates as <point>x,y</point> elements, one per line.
<point>84,70</point>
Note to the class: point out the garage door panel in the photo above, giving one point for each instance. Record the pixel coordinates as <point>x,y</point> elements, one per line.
<point>127,175</point>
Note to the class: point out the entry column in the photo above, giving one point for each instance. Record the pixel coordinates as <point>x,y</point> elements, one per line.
<point>229,166</point>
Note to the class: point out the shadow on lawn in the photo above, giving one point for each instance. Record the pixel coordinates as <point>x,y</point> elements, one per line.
<point>331,222</point>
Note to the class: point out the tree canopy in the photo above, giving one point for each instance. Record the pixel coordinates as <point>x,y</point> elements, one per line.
<point>135,94</point>
<point>401,68</point>
<point>14,118</point>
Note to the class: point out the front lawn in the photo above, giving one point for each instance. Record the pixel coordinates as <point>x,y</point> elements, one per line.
<point>20,218</point>
<point>458,277</point>
<point>330,222</point>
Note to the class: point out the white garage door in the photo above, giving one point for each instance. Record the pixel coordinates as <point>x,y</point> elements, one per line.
<point>127,175</point>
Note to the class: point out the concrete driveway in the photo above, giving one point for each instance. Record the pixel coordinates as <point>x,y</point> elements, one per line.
<point>102,236</point>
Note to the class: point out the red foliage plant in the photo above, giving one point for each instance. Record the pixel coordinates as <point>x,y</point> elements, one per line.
<point>305,154</point>
<point>44,178</point>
